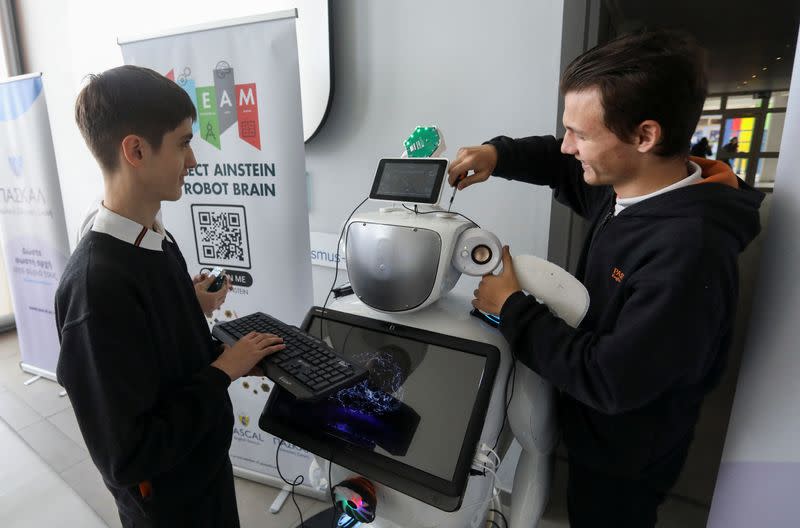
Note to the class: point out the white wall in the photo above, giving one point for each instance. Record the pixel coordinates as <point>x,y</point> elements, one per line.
<point>475,69</point>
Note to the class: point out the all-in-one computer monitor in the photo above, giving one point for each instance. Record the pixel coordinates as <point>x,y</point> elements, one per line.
<point>413,425</point>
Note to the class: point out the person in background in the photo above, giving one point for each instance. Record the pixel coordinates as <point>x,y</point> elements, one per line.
<point>729,150</point>
<point>701,149</point>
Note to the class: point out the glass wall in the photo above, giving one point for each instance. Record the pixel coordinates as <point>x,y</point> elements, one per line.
<point>745,130</point>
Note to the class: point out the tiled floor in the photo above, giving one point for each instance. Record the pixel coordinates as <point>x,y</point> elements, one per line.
<point>46,423</point>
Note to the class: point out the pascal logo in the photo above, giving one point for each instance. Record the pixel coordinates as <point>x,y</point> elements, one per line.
<point>221,105</point>
<point>244,420</point>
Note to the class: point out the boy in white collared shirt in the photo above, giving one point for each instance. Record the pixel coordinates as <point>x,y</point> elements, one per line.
<point>148,385</point>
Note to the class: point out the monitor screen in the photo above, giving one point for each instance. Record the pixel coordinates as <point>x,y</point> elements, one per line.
<point>412,180</point>
<point>413,425</point>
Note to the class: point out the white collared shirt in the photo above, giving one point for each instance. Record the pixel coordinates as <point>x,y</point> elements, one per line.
<point>695,176</point>
<point>125,229</point>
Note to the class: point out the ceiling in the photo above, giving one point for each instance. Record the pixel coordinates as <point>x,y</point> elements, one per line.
<point>742,37</point>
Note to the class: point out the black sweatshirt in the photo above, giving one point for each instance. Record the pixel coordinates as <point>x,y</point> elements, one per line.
<point>663,282</point>
<point>135,361</point>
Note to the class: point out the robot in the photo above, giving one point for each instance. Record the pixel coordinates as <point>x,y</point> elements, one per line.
<point>403,261</point>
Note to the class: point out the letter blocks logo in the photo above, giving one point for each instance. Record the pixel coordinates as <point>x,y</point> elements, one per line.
<point>221,105</point>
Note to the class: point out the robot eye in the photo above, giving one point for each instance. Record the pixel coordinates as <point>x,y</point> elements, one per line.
<point>481,254</point>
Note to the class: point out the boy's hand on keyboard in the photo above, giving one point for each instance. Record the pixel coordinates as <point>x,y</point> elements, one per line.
<point>239,360</point>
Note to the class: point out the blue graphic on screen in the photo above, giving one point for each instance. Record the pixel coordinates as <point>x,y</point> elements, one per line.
<point>414,406</point>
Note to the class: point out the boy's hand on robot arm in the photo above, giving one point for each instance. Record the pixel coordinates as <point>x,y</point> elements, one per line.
<point>481,160</point>
<point>210,301</point>
<point>494,290</point>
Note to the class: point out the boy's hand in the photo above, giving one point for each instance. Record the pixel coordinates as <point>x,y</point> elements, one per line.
<point>210,301</point>
<point>241,359</point>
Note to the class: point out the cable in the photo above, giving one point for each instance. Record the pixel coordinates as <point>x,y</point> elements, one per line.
<point>505,521</point>
<point>336,273</point>
<point>494,495</point>
<point>297,481</point>
<point>494,523</point>
<point>496,456</point>
<point>415,211</point>
<point>510,378</point>
<point>333,498</point>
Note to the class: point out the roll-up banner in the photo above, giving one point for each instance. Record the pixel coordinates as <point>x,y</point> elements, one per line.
<point>244,207</point>
<point>32,225</point>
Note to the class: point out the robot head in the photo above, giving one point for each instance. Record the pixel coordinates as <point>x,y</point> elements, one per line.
<point>400,261</point>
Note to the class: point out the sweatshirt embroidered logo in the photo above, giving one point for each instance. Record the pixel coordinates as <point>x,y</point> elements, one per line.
<point>617,275</point>
<point>244,420</point>
<point>221,105</point>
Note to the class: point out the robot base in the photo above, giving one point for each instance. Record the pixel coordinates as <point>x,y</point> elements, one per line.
<point>536,424</point>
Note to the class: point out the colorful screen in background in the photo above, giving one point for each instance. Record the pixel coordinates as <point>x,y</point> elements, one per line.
<point>742,128</point>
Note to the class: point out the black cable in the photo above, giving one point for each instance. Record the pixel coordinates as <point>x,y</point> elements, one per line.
<point>336,273</point>
<point>512,379</point>
<point>333,499</point>
<point>505,521</point>
<point>297,481</point>
<point>438,211</point>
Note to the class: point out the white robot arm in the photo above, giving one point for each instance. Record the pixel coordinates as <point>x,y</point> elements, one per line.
<point>554,287</point>
<point>531,412</point>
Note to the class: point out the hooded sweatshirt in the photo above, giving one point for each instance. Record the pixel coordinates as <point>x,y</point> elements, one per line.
<point>663,283</point>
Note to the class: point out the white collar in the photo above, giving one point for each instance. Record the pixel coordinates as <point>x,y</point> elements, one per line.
<point>108,222</point>
<point>695,176</point>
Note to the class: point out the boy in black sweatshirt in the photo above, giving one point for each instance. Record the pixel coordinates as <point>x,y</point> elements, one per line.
<point>660,264</point>
<point>148,385</point>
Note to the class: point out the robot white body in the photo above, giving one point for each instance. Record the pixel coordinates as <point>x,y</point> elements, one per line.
<point>450,315</point>
<point>393,248</point>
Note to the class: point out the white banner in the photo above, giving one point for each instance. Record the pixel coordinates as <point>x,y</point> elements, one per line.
<point>244,207</point>
<point>32,225</point>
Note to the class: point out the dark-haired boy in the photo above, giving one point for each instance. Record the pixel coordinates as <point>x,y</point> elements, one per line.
<point>148,386</point>
<point>660,264</point>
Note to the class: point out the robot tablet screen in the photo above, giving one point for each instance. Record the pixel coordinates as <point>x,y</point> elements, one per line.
<point>413,424</point>
<point>409,180</point>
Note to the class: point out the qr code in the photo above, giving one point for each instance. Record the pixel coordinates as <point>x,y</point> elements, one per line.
<point>220,233</point>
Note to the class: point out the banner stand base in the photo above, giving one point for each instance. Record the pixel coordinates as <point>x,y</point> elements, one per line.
<point>37,372</point>
<point>280,500</point>
<point>32,380</point>
<point>278,483</point>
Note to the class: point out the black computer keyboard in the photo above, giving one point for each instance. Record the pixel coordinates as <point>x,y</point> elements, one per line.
<point>307,367</point>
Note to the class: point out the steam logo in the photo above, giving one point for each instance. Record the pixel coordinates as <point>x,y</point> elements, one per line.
<point>221,105</point>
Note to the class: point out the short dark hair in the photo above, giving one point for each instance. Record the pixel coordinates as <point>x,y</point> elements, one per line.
<point>658,75</point>
<point>129,100</point>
